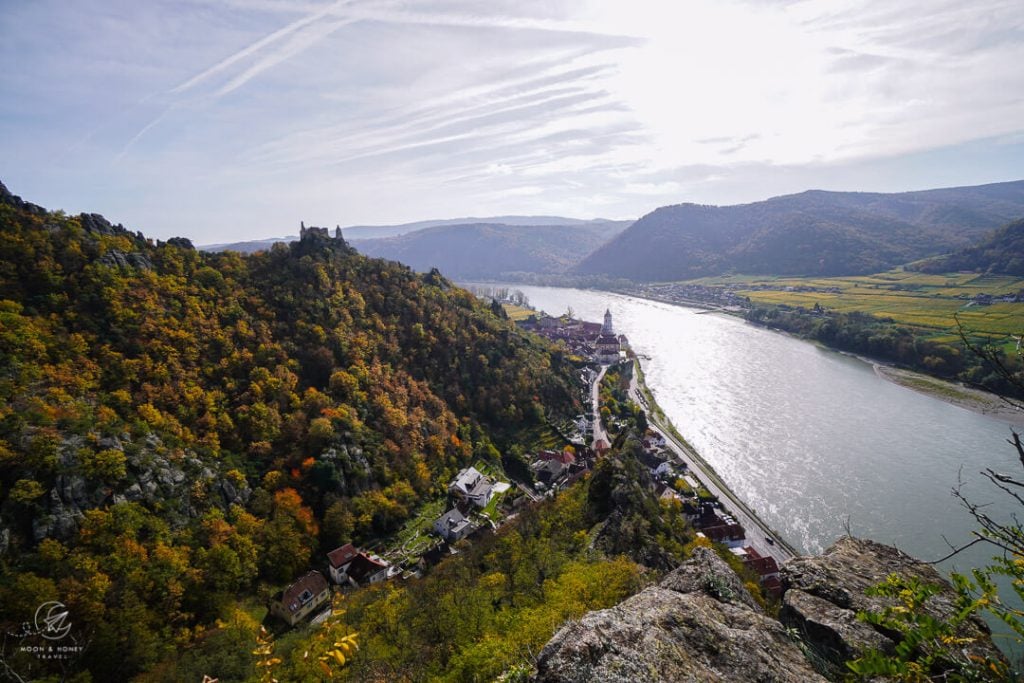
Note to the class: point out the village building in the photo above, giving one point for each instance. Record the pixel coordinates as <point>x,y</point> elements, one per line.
<point>547,471</point>
<point>548,323</point>
<point>596,341</point>
<point>607,344</point>
<point>367,569</point>
<point>552,465</point>
<point>665,469</point>
<point>650,459</point>
<point>338,561</point>
<point>452,526</point>
<point>302,598</point>
<point>764,566</point>
<point>654,440</point>
<point>722,530</point>
<point>472,487</point>
<point>350,566</point>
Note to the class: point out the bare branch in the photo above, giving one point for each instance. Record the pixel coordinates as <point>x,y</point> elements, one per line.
<point>993,358</point>
<point>1015,442</point>
<point>956,550</point>
<point>998,479</point>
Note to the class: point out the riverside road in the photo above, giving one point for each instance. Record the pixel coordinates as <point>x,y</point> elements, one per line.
<point>758,532</point>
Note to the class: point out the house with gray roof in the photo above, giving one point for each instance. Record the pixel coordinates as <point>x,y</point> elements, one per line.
<point>473,487</point>
<point>452,526</point>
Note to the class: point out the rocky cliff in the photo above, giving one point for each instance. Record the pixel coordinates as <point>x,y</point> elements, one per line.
<point>700,624</point>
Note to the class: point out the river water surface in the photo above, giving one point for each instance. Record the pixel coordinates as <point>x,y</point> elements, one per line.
<point>811,439</point>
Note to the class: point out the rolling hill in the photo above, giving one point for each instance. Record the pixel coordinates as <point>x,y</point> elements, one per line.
<point>811,233</point>
<point>186,430</point>
<point>487,250</point>
<point>1000,253</point>
<point>366,232</point>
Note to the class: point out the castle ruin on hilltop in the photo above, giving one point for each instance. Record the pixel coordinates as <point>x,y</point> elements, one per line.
<point>313,232</point>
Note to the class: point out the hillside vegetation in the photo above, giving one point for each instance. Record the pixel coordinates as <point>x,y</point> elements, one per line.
<point>490,609</point>
<point>813,233</point>
<point>181,433</point>
<point>1002,253</point>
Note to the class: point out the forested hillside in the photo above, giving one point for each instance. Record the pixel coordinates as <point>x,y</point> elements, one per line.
<point>487,611</point>
<point>812,233</point>
<point>180,431</point>
<point>1001,253</point>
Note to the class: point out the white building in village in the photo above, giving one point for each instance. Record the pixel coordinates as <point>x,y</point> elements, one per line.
<point>607,344</point>
<point>473,487</point>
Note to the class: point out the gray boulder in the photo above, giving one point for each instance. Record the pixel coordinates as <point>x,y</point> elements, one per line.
<point>134,260</point>
<point>824,593</point>
<point>699,624</point>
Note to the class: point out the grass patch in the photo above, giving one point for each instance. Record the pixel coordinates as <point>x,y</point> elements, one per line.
<point>490,470</point>
<point>413,538</point>
<point>935,387</point>
<point>543,437</point>
<point>517,313</point>
<point>491,509</point>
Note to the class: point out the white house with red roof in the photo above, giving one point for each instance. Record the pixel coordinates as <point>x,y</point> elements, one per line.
<point>351,566</point>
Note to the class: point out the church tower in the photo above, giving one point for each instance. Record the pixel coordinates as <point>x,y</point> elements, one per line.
<point>607,327</point>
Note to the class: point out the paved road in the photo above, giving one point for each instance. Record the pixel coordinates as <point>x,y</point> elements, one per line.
<point>757,530</point>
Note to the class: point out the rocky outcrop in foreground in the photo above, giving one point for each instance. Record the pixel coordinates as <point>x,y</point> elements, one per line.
<point>700,624</point>
<point>824,593</point>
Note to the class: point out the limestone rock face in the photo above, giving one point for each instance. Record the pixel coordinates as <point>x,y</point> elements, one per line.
<point>824,593</point>
<point>834,631</point>
<point>119,259</point>
<point>14,200</point>
<point>95,223</point>
<point>699,624</point>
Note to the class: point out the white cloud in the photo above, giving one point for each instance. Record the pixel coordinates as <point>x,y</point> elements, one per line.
<point>373,110</point>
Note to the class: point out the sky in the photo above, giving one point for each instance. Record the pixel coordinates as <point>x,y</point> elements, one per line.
<point>224,120</point>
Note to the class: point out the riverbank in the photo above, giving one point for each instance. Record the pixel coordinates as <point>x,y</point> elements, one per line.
<point>677,301</point>
<point>778,547</point>
<point>975,400</point>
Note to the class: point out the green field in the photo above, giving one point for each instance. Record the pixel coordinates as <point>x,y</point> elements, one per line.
<point>909,298</point>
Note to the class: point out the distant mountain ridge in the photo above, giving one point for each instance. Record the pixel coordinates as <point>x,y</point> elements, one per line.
<point>488,250</point>
<point>377,231</point>
<point>357,232</point>
<point>812,233</point>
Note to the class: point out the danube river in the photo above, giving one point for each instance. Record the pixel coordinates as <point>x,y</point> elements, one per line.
<point>809,438</point>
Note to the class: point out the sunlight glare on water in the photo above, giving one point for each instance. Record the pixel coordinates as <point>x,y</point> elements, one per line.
<point>808,437</point>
